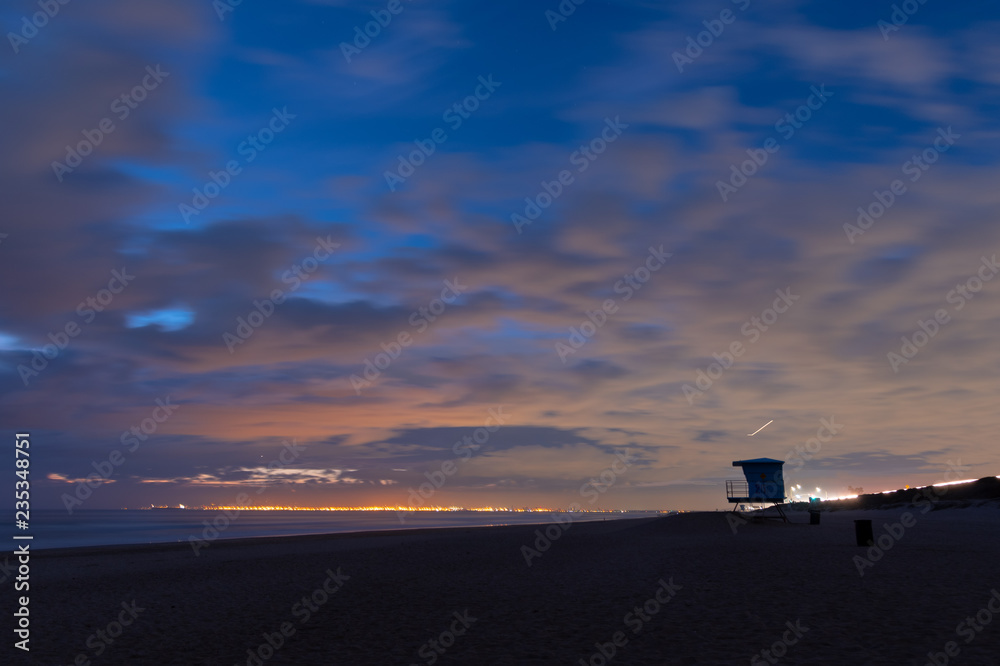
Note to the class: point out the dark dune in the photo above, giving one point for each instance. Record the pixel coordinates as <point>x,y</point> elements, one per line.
<point>950,496</point>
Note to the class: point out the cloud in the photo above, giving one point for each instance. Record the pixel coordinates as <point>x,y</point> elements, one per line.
<point>495,344</point>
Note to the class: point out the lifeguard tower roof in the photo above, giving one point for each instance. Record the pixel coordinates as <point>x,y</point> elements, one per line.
<point>740,463</point>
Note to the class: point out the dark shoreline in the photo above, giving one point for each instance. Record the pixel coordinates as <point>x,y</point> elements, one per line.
<point>110,549</point>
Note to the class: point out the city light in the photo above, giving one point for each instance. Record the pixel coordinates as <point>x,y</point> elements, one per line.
<point>480,509</point>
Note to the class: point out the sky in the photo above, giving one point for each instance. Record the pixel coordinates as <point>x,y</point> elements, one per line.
<point>331,253</point>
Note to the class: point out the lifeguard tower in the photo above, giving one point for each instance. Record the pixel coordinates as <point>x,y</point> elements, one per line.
<point>764,484</point>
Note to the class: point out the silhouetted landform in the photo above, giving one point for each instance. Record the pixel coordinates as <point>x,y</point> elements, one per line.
<point>959,495</point>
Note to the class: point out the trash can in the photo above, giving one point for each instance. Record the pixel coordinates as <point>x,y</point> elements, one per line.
<point>863,532</point>
<point>813,517</point>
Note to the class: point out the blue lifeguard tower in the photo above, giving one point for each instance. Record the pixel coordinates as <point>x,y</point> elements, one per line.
<point>765,483</point>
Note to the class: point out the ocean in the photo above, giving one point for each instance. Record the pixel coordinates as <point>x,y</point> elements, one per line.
<point>58,529</point>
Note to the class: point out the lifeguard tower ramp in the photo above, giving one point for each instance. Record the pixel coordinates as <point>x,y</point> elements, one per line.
<point>763,483</point>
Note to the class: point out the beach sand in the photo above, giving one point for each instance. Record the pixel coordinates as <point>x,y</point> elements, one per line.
<point>724,597</point>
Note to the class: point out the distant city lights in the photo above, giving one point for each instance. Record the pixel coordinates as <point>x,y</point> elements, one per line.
<point>482,509</point>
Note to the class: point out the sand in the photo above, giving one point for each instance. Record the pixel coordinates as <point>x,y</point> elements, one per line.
<point>793,589</point>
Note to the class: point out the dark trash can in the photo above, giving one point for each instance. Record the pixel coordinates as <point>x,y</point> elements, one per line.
<point>813,517</point>
<point>863,532</point>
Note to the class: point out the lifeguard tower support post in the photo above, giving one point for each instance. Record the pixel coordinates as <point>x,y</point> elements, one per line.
<point>764,483</point>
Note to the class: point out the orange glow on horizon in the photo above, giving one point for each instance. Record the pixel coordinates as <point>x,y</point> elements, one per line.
<point>492,509</point>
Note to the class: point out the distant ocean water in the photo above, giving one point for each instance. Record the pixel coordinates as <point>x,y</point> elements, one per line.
<point>58,529</point>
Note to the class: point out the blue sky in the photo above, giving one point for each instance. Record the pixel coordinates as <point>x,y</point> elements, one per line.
<point>289,141</point>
